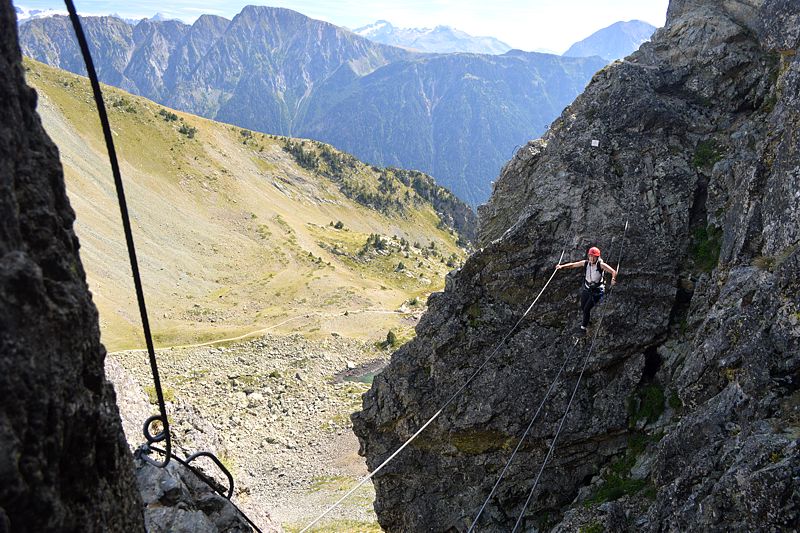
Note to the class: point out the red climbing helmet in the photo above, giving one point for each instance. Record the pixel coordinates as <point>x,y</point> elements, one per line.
<point>595,251</point>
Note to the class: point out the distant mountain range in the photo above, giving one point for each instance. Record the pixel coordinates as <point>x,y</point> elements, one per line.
<point>441,39</point>
<point>613,42</point>
<point>457,117</point>
<point>25,14</point>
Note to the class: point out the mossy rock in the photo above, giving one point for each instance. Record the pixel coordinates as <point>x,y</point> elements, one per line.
<point>476,442</point>
<point>675,401</point>
<point>706,246</point>
<point>647,403</point>
<point>469,442</point>
<point>707,154</point>
<point>473,314</point>
<point>594,527</point>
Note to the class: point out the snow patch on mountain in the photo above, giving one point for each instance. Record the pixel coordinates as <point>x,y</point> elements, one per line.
<point>24,14</point>
<point>441,39</point>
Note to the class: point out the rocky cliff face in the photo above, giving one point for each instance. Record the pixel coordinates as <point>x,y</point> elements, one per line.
<point>688,417</point>
<point>63,458</point>
<point>111,34</point>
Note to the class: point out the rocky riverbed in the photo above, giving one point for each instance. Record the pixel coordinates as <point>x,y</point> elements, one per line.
<point>274,409</point>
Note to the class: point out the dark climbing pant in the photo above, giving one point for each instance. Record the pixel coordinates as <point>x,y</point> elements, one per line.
<point>589,298</point>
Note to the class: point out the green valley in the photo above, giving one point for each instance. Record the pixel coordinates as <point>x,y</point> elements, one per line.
<point>241,232</point>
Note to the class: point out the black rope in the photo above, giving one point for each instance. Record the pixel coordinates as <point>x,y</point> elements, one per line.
<point>163,435</point>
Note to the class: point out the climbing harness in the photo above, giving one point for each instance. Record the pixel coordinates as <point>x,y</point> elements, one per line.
<point>525,434</point>
<point>593,290</point>
<point>588,275</point>
<point>574,391</point>
<point>442,408</point>
<point>162,434</point>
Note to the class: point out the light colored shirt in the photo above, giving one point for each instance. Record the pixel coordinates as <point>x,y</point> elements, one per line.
<point>593,273</point>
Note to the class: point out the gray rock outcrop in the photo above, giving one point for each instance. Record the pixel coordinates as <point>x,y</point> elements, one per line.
<point>64,464</point>
<point>134,407</point>
<point>177,500</point>
<point>688,416</point>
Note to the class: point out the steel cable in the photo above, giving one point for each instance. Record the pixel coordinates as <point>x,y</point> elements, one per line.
<point>525,434</point>
<point>574,391</point>
<point>442,408</point>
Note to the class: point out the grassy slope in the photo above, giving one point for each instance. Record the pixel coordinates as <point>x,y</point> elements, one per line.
<point>232,234</point>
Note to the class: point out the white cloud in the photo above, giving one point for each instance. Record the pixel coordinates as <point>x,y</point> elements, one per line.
<point>526,24</point>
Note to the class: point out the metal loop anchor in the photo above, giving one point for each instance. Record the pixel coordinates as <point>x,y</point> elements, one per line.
<point>161,436</point>
<point>219,465</point>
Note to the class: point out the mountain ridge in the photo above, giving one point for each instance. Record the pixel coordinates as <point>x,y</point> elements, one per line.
<point>277,71</point>
<point>613,42</point>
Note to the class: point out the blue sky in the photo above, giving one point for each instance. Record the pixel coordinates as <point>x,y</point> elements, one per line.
<point>525,24</point>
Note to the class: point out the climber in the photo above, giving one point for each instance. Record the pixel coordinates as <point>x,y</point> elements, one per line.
<point>593,287</point>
